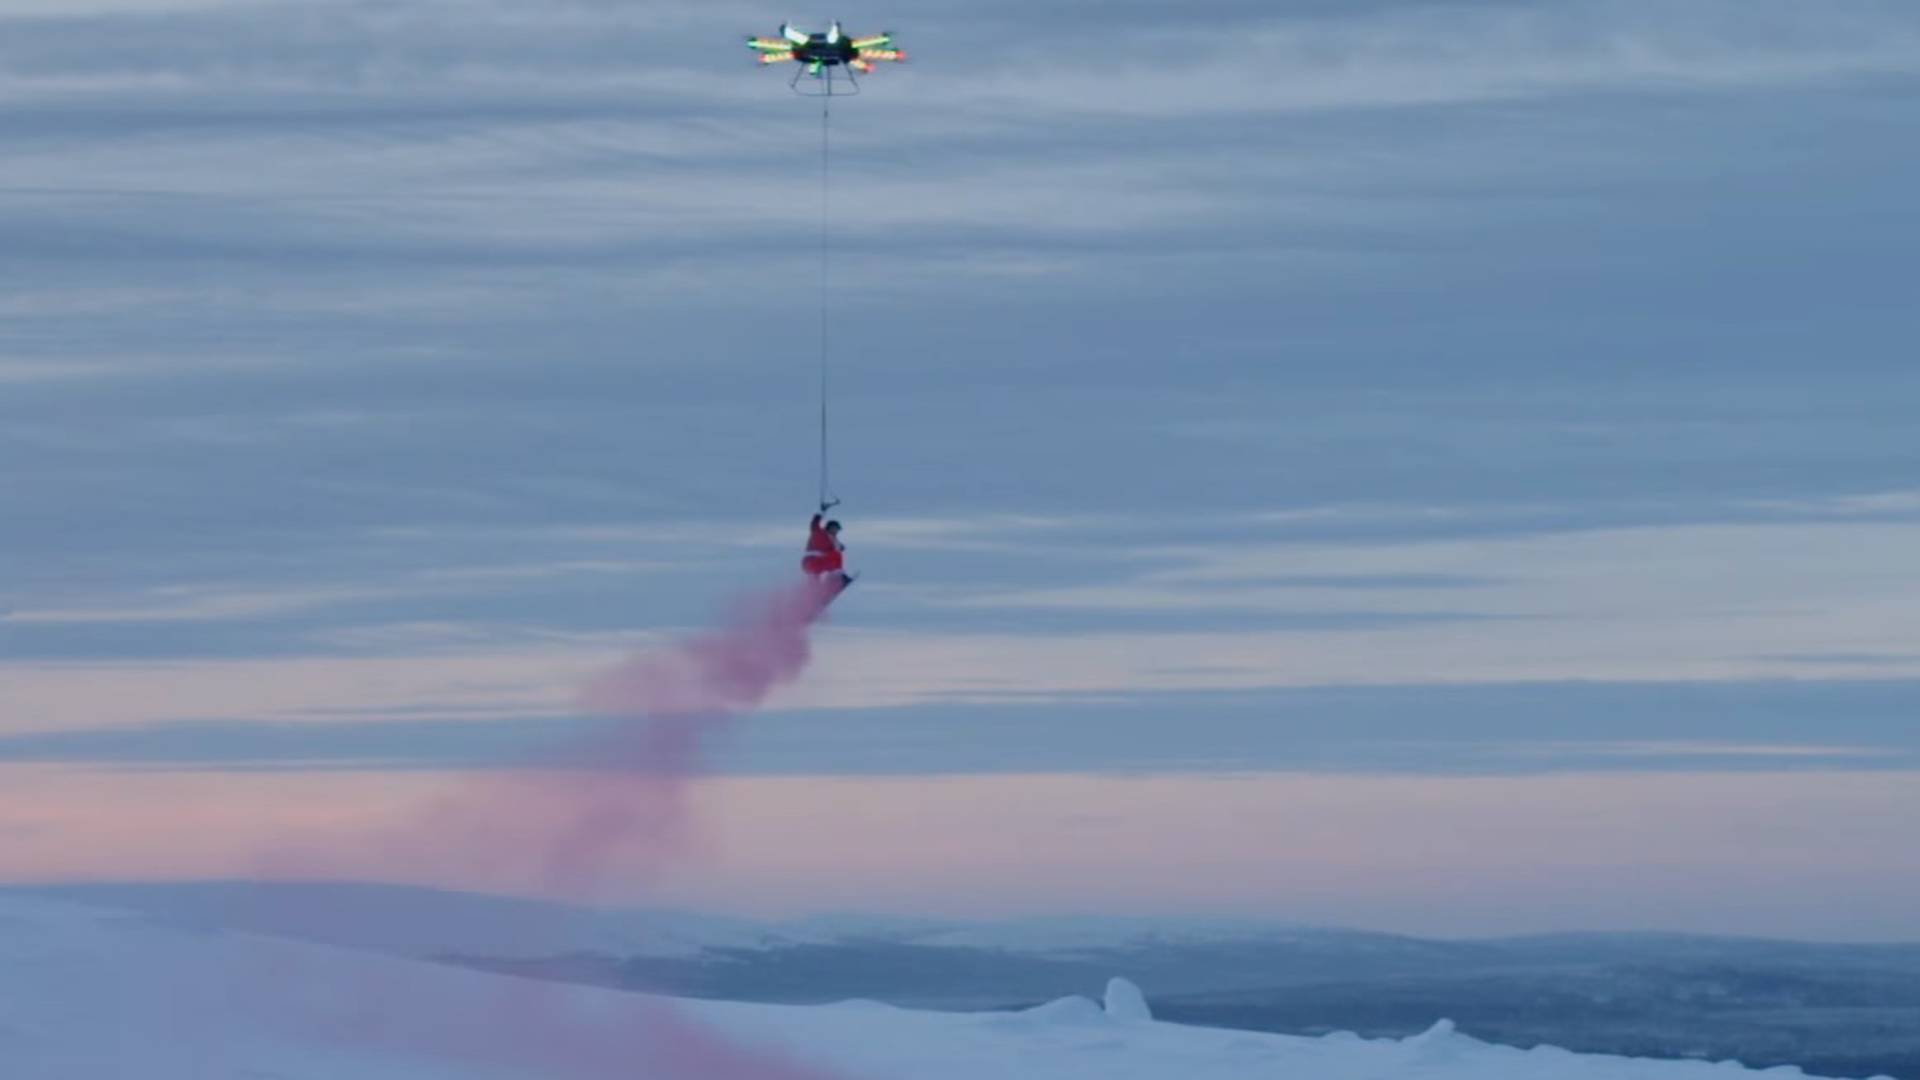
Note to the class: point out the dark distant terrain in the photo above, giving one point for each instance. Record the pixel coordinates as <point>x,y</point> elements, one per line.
<point>1847,1011</point>
<point>1834,1010</point>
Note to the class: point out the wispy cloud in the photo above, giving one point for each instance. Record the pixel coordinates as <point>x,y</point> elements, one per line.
<point>1705,603</point>
<point>1413,55</point>
<point>1488,729</point>
<point>1660,851</point>
<point>385,360</point>
<point>195,603</point>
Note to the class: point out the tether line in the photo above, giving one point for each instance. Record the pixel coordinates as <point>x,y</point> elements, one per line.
<point>826,191</point>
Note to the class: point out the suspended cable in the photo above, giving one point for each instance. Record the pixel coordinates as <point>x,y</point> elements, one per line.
<point>825,62</point>
<point>827,498</point>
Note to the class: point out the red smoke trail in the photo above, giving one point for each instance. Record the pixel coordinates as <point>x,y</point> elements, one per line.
<point>573,828</point>
<point>625,811</point>
<point>667,704</point>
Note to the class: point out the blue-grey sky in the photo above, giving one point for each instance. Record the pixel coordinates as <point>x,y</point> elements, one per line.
<point>1455,390</point>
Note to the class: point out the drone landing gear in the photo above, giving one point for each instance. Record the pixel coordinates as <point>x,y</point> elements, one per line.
<point>832,80</point>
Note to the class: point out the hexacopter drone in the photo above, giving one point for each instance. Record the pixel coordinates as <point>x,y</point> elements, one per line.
<point>822,54</point>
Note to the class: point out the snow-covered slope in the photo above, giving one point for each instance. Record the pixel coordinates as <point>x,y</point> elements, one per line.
<point>89,993</point>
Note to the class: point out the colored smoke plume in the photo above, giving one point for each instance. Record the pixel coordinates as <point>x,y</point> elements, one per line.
<point>667,704</point>
<point>568,831</point>
<point>616,810</point>
<point>764,646</point>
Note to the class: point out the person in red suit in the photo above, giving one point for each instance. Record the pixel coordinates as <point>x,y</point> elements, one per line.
<point>826,555</point>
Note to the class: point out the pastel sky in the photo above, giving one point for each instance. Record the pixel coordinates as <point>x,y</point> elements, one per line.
<point>1445,467</point>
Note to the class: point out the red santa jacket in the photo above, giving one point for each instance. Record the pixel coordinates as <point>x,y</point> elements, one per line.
<point>823,551</point>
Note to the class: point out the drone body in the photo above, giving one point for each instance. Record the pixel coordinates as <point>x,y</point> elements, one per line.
<point>819,53</point>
